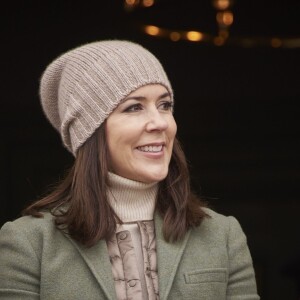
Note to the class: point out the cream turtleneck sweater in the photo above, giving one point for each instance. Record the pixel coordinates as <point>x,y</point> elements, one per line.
<point>132,200</point>
<point>132,250</point>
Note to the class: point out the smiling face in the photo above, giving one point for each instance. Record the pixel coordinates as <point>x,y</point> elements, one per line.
<point>140,133</point>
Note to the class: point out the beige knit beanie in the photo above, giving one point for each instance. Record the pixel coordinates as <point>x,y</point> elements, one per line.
<point>82,87</point>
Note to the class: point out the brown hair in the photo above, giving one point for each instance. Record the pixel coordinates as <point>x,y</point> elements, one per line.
<point>79,203</point>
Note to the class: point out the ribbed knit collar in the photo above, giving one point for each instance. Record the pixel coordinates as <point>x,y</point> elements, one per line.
<point>132,200</point>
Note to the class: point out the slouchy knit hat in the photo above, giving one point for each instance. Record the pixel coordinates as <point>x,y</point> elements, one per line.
<point>82,87</point>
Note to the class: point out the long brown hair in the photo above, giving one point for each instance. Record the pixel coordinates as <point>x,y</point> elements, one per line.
<point>79,203</point>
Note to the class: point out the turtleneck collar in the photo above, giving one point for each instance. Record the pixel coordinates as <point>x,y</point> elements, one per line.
<point>132,200</point>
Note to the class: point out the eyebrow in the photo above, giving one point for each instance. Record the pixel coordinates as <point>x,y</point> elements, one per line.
<point>140,98</point>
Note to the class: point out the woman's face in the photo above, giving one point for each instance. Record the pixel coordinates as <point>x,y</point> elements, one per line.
<point>140,133</point>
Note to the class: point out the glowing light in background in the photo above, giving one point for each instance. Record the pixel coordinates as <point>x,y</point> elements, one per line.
<point>224,19</point>
<point>152,30</point>
<point>219,41</point>
<point>221,4</point>
<point>276,43</point>
<point>131,2</point>
<point>194,36</point>
<point>148,3</point>
<point>175,36</point>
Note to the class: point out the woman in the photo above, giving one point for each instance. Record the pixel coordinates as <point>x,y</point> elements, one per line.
<point>123,224</point>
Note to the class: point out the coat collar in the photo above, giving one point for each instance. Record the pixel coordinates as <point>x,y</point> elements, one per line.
<point>168,259</point>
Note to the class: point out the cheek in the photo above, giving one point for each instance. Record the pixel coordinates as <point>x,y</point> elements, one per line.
<point>119,144</point>
<point>112,139</point>
<point>114,132</point>
<point>172,128</point>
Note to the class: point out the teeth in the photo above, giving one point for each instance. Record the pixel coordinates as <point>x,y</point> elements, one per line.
<point>150,148</point>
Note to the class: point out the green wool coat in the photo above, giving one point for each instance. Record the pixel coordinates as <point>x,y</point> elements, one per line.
<point>37,261</point>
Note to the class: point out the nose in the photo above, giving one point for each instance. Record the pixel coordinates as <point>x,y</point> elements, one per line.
<point>157,121</point>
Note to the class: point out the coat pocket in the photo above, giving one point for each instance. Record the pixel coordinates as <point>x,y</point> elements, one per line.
<point>206,275</point>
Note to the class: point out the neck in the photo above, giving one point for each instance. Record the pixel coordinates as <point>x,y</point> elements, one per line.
<point>132,200</point>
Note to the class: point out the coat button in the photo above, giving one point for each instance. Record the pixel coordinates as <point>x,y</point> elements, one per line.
<point>122,236</point>
<point>132,283</point>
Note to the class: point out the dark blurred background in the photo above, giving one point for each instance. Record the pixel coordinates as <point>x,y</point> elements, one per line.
<point>236,93</point>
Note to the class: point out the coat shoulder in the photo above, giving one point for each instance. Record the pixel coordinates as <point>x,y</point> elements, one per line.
<point>29,223</point>
<point>216,224</point>
<point>30,228</point>
<point>215,215</point>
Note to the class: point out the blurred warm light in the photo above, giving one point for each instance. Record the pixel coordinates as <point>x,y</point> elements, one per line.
<point>291,43</point>
<point>225,18</point>
<point>131,2</point>
<point>221,4</point>
<point>228,18</point>
<point>130,5</point>
<point>152,30</point>
<point>175,36</point>
<point>219,41</point>
<point>219,17</point>
<point>276,43</point>
<point>224,33</point>
<point>148,3</point>
<point>194,36</point>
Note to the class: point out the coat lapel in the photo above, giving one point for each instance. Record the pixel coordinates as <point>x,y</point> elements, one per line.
<point>168,258</point>
<point>97,259</point>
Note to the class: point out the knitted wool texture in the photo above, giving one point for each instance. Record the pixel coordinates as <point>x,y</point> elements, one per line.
<point>82,87</point>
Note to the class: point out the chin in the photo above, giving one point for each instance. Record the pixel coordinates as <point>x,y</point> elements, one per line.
<point>154,177</point>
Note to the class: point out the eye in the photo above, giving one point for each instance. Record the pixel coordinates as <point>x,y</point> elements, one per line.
<point>166,105</point>
<point>134,108</point>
